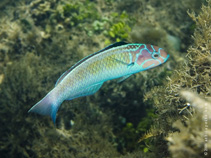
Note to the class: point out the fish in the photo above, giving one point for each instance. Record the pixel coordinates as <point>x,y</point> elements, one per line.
<point>116,61</point>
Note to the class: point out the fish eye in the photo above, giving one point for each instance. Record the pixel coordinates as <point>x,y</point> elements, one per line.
<point>155,55</point>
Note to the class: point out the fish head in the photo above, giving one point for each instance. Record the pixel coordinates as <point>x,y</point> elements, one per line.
<point>151,56</point>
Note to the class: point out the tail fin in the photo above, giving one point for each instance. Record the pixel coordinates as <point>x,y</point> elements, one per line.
<point>47,106</point>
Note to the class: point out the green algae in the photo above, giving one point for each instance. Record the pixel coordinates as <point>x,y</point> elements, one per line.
<point>44,38</point>
<point>120,27</point>
<point>77,13</point>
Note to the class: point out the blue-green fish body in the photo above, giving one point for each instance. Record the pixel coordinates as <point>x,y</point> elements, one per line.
<point>119,60</point>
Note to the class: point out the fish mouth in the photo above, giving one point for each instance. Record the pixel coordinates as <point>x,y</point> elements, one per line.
<point>166,58</point>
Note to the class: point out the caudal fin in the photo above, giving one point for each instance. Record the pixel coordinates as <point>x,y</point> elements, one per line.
<point>47,106</point>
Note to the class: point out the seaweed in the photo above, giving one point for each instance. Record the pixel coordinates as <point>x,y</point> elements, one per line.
<point>193,75</point>
<point>119,28</point>
<point>39,40</point>
<point>16,97</point>
<point>77,13</point>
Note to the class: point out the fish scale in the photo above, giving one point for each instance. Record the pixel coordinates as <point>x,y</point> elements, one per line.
<point>119,60</point>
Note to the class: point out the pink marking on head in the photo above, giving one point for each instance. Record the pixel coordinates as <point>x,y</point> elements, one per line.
<point>161,59</point>
<point>163,53</point>
<point>149,48</point>
<point>149,63</point>
<point>144,56</point>
<point>152,56</point>
<point>141,47</point>
<point>156,48</point>
<point>133,53</point>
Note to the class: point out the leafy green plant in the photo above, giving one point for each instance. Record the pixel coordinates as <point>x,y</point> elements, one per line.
<point>119,31</point>
<point>130,134</point>
<point>119,27</point>
<point>73,14</point>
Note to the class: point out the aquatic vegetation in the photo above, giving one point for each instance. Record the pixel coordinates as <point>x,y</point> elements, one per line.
<point>192,140</point>
<point>193,75</point>
<point>17,94</point>
<point>16,97</point>
<point>129,135</point>
<point>119,28</point>
<point>119,31</point>
<point>155,18</point>
<point>73,14</point>
<point>85,16</point>
<point>41,39</point>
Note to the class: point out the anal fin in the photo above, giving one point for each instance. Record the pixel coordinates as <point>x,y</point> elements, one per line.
<point>87,91</point>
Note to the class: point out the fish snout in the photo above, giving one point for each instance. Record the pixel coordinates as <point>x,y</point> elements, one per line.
<point>164,55</point>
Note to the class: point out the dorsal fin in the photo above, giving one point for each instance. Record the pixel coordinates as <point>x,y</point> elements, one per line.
<point>112,46</point>
<point>82,60</point>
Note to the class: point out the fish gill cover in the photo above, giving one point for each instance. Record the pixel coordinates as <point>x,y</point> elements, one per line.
<point>41,39</point>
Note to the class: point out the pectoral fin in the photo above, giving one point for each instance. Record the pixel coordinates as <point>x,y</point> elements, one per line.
<point>91,89</point>
<point>122,62</point>
<point>123,78</point>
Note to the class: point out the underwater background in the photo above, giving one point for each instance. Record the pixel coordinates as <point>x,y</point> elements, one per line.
<point>158,113</point>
